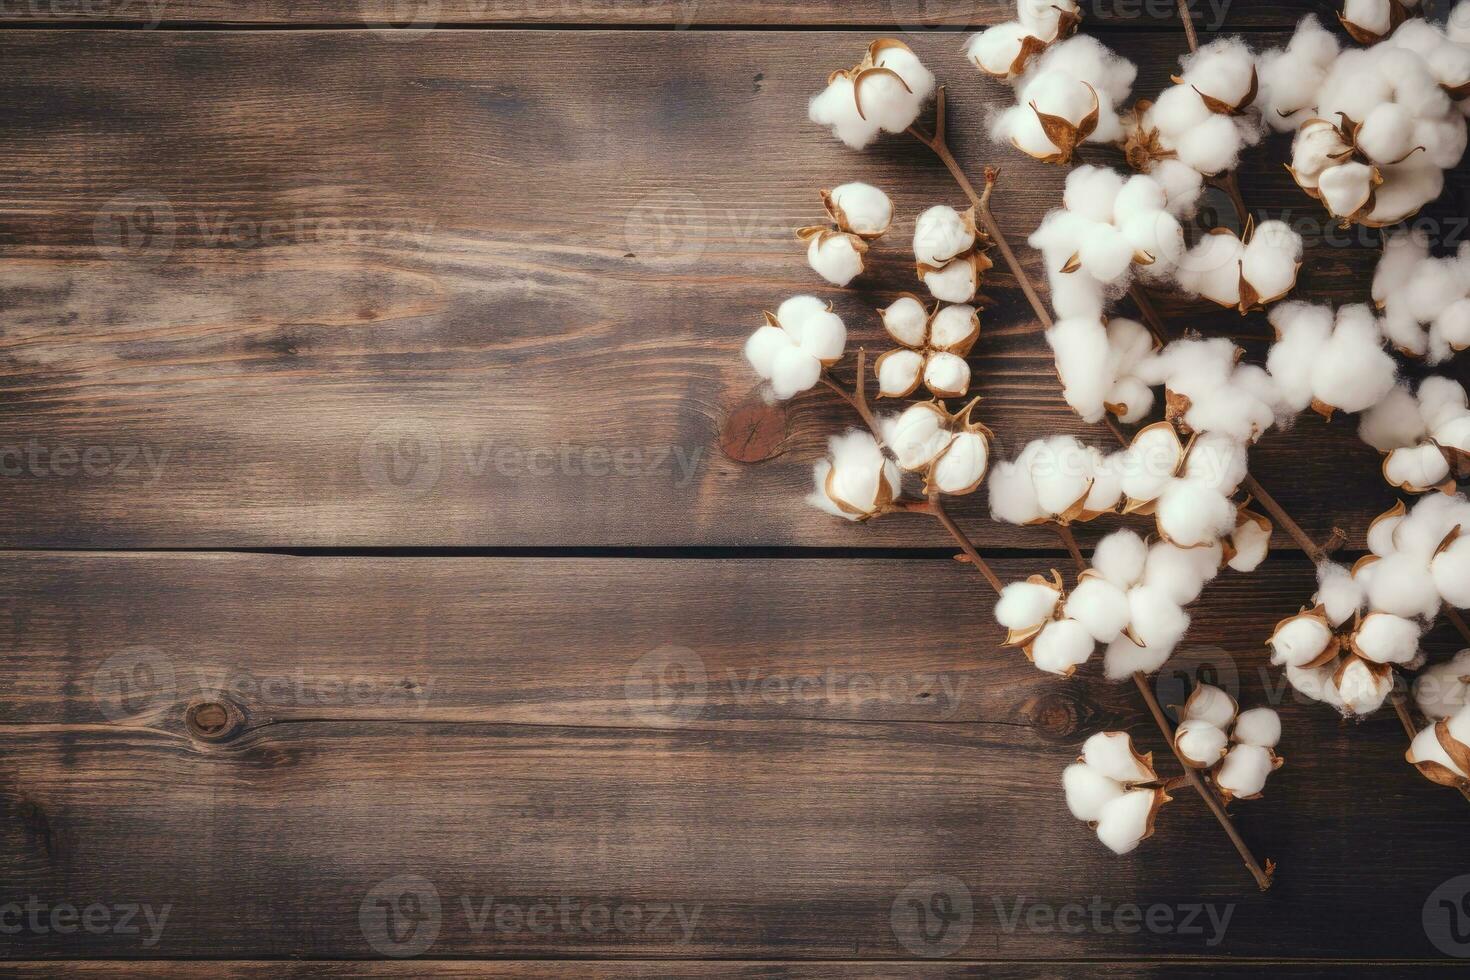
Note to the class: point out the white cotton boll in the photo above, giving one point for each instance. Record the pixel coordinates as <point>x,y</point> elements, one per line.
<point>1111,754</point>
<point>1076,297</point>
<point>1120,558</point>
<point>1061,469</point>
<point>1402,584</point>
<point>1211,146</point>
<point>1134,398</point>
<point>1290,77</point>
<point>1158,234</point>
<point>1105,253</point>
<point>1012,494</point>
<point>1222,69</point>
<point>1155,617</point>
<point>1151,462</point>
<point>1434,516</point>
<point>1353,372</point>
<point>1055,93</point>
<point>1193,513</point>
<point>1454,434</point>
<point>1252,542</point>
<point>953,328</point>
<point>1387,639</point>
<point>1443,139</point>
<point>940,234</point>
<point>1363,691</point>
<point>1316,683</point>
<point>763,346</point>
<point>1023,605</point>
<point>867,209</point>
<point>1304,330</point>
<point>835,258</point>
<point>1043,17</point>
<point>917,436</point>
<point>1345,188</point>
<point>1123,822</point>
<point>1452,327</point>
<point>1091,191</point>
<point>1100,607</point>
<point>1216,461</point>
<point>1244,771</point>
<point>1200,742</point>
<point>836,107</point>
<point>995,50</point>
<point>1316,147</point>
<point>1405,189</point>
<point>963,464</point>
<point>1089,59</point>
<point>1299,641</point>
<point>794,313</point>
<point>1182,185</point>
<point>1258,726</point>
<point>860,472</point>
<point>1387,134</point>
<point>906,321</point>
<point>898,372</point>
<point>1370,15</point>
<point>1451,572</point>
<point>793,371</point>
<point>1211,705</point>
<point>954,283</point>
<point>1393,422</point>
<point>1124,658</point>
<point>1061,646</point>
<point>1212,269</point>
<point>1181,573</point>
<point>1419,467</point>
<point>888,102</point>
<point>1270,260</point>
<point>1107,483</point>
<point>1088,791</point>
<point>821,334</point>
<point>1338,592</point>
<point>1019,125</point>
<point>946,374</point>
<point>1140,194</point>
<point>1080,346</point>
<point>818,498</point>
<point>908,66</point>
<point>1450,65</point>
<point>1444,688</point>
<point>1426,747</point>
<point>1433,286</point>
<point>1441,401</point>
<point>1178,109</point>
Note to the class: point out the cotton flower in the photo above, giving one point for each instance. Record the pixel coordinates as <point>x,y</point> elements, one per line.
<point>1418,559</point>
<point>1069,95</point>
<point>951,450</point>
<point>1003,51</point>
<point>1444,688</point>
<point>956,281</point>
<point>801,338</point>
<point>941,233</point>
<point>1114,790</point>
<point>859,208</point>
<point>1204,719</point>
<point>1052,480</point>
<point>1248,273</point>
<point>1351,670</point>
<point>834,255</point>
<point>1424,438</point>
<point>933,347</point>
<point>1209,390</point>
<point>856,482</point>
<point>1036,621</point>
<point>1328,362</point>
<point>1252,757</point>
<point>1425,301</point>
<point>883,92</point>
<point>1441,752</point>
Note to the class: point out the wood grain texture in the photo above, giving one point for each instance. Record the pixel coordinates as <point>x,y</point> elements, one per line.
<point>549,762</point>
<point>916,16</point>
<point>330,289</point>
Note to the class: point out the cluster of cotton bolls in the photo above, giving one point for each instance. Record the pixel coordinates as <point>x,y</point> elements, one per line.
<point>856,481</point>
<point>1066,97</point>
<point>1420,558</point>
<point>1370,21</point>
<point>1204,119</point>
<point>796,344</point>
<point>861,213</point>
<point>1208,389</point>
<point>1328,360</point>
<point>1005,49</point>
<point>949,253</point>
<point>1245,273</point>
<point>1114,790</point>
<point>932,348</point>
<point>1384,122</point>
<point>948,448</point>
<point>1290,77</point>
<point>1425,301</point>
<point>1441,751</point>
<point>1237,745</point>
<point>1425,439</point>
<point>882,93</point>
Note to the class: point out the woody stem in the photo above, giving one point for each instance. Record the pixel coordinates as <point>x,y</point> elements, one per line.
<point>934,507</point>
<point>1453,615</point>
<point>858,400</point>
<point>1188,19</point>
<point>1206,792</point>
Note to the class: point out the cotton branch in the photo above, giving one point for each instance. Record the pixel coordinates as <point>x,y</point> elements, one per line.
<point>1187,19</point>
<point>934,507</point>
<point>857,399</point>
<point>1205,790</point>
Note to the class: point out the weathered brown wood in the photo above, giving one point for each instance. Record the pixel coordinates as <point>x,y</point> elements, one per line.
<point>917,16</point>
<point>554,758</point>
<point>316,289</point>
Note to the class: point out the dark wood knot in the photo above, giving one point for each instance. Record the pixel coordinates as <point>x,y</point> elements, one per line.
<point>217,720</point>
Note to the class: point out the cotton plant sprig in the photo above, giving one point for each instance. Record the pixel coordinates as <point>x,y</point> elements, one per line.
<point>860,214</point>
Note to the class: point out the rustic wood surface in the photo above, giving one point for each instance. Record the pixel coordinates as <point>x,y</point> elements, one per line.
<point>448,320</point>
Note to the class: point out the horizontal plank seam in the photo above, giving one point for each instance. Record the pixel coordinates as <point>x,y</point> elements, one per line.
<point>215,27</point>
<point>632,552</point>
<point>645,958</point>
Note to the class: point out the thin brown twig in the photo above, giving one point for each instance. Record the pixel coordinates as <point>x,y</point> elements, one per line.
<point>1453,615</point>
<point>934,507</point>
<point>1070,540</point>
<point>858,399</point>
<point>1206,792</point>
<point>1188,19</point>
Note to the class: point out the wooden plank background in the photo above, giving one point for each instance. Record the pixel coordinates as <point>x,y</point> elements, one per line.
<point>446,320</point>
